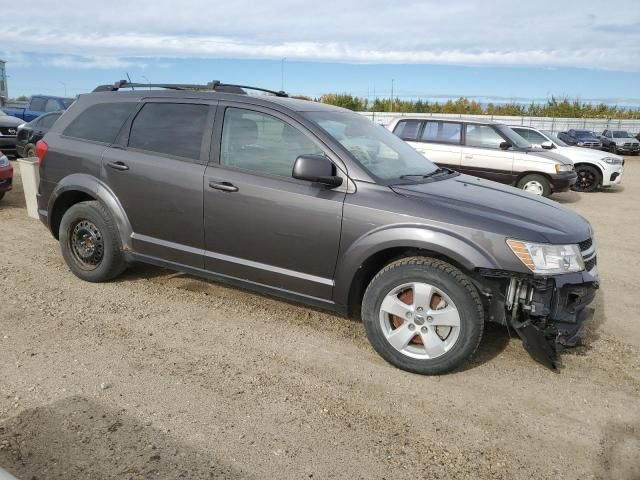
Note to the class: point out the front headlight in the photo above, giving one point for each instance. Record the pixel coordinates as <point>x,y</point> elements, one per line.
<point>547,258</point>
<point>563,168</point>
<point>612,160</point>
<point>4,161</point>
<point>21,126</point>
<point>580,144</point>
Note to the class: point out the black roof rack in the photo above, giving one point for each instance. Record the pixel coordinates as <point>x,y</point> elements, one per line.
<point>211,86</point>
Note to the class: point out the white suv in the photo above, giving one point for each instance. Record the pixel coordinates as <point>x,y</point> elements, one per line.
<point>594,168</point>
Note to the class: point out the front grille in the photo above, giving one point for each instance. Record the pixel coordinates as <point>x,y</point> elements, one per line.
<point>588,250</point>
<point>592,144</point>
<point>585,245</point>
<point>8,131</point>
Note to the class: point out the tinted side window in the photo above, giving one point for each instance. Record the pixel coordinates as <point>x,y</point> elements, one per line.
<point>408,129</point>
<point>262,143</point>
<point>100,122</point>
<point>445,132</point>
<point>37,104</point>
<point>48,121</point>
<point>174,129</point>
<point>483,136</point>
<point>537,138</point>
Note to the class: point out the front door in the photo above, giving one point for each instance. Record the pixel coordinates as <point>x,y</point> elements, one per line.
<point>261,224</point>
<point>483,157</point>
<point>157,177</point>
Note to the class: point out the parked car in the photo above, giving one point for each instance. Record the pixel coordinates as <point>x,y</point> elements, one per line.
<point>39,105</point>
<point>29,133</point>
<point>620,141</point>
<point>487,150</point>
<point>6,175</point>
<point>595,169</point>
<point>8,132</point>
<point>317,204</point>
<point>581,138</point>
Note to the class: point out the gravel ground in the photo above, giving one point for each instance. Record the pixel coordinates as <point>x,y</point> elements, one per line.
<point>163,375</point>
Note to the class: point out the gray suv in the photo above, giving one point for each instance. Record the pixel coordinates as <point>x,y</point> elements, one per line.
<point>317,204</point>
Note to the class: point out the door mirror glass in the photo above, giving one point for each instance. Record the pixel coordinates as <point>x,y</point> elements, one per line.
<point>317,169</point>
<point>547,145</point>
<point>505,146</point>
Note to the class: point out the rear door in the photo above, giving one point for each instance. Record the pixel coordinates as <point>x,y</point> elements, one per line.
<point>156,172</point>
<point>482,156</point>
<point>440,143</point>
<point>261,224</point>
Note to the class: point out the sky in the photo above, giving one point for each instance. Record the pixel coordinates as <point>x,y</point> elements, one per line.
<point>499,50</point>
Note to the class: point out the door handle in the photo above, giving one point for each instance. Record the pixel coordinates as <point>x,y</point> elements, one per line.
<point>118,166</point>
<point>224,186</point>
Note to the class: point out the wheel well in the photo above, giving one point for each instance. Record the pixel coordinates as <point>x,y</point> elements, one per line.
<point>62,204</point>
<point>597,167</point>
<point>376,262</point>
<point>524,174</point>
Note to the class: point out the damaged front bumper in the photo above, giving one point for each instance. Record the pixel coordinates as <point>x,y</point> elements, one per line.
<point>547,312</point>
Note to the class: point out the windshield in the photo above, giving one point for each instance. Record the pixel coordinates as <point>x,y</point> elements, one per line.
<point>584,134</point>
<point>621,134</point>
<point>68,101</point>
<point>378,150</point>
<point>554,139</point>
<point>514,139</point>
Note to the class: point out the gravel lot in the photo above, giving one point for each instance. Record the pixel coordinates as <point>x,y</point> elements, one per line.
<point>163,375</point>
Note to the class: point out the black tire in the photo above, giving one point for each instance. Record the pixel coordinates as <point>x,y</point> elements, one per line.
<point>90,228</point>
<point>540,180</point>
<point>444,277</point>
<point>29,150</point>
<point>589,179</point>
<point>613,148</point>
<point>2,195</point>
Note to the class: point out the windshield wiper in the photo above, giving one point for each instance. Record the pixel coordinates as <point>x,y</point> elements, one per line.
<point>438,171</point>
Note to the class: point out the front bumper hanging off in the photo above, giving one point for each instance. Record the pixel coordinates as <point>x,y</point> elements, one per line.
<point>548,313</point>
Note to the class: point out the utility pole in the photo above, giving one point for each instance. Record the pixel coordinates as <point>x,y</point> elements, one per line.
<point>392,80</point>
<point>282,73</point>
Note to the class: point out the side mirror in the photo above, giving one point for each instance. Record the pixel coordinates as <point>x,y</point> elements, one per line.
<point>505,146</point>
<point>547,145</point>
<point>317,169</point>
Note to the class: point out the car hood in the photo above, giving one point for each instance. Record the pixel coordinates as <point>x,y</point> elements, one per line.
<point>488,206</point>
<point>549,155</point>
<point>578,153</point>
<point>9,121</point>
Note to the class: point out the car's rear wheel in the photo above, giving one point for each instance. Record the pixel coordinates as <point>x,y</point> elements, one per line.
<point>423,315</point>
<point>589,179</point>
<point>536,184</point>
<point>30,151</point>
<point>90,242</point>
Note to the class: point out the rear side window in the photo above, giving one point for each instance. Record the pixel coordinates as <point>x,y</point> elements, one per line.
<point>100,122</point>
<point>408,129</point>
<point>442,132</point>
<point>175,129</point>
<point>38,104</point>
<point>483,136</point>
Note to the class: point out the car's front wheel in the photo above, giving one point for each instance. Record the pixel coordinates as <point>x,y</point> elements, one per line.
<point>90,242</point>
<point>589,179</point>
<point>536,184</point>
<point>423,315</point>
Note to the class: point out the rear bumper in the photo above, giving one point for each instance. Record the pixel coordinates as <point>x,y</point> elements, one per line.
<point>561,182</point>
<point>6,178</point>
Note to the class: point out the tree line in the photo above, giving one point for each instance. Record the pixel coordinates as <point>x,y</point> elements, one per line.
<point>554,107</point>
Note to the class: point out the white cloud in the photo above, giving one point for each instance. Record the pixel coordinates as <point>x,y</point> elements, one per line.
<point>547,34</point>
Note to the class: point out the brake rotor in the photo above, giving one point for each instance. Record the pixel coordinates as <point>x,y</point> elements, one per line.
<point>407,298</point>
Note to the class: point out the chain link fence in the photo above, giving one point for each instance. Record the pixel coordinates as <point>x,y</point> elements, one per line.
<point>555,125</point>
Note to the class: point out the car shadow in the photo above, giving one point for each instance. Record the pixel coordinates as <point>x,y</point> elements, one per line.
<point>82,439</point>
<point>566,197</point>
<point>614,189</point>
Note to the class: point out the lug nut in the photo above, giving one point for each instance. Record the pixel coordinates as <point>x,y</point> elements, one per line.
<point>412,326</point>
<point>424,329</point>
<point>420,309</point>
<point>429,319</point>
<point>409,315</point>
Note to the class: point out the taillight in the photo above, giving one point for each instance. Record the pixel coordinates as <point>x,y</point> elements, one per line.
<point>41,150</point>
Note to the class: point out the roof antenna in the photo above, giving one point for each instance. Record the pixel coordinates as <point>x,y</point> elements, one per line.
<point>129,78</point>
